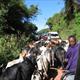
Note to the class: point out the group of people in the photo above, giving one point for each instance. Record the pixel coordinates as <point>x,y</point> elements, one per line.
<point>71,57</point>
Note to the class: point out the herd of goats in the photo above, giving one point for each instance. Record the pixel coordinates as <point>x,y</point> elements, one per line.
<point>42,60</point>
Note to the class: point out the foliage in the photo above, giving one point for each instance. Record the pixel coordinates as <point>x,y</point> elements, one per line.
<point>66,22</point>
<point>15,28</point>
<point>32,11</point>
<point>69,10</point>
<point>57,22</point>
<point>10,47</point>
<point>15,18</point>
<point>4,7</point>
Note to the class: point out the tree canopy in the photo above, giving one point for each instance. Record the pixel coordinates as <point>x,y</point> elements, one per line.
<point>15,16</point>
<point>67,21</point>
<point>16,28</point>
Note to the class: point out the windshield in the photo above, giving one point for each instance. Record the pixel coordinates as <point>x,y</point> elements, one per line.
<point>54,34</point>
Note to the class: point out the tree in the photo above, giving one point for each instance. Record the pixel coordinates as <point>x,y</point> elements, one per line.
<point>15,28</point>
<point>69,10</point>
<point>14,18</point>
<point>56,21</point>
<point>17,16</point>
<point>4,7</point>
<point>67,22</point>
<point>49,23</point>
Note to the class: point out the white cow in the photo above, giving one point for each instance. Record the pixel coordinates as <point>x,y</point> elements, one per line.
<point>43,62</point>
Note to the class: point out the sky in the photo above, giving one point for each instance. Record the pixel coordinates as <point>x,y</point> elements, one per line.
<point>47,8</point>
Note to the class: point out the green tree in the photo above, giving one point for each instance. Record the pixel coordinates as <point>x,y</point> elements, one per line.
<point>13,16</point>
<point>56,22</point>
<point>69,10</point>
<point>67,22</point>
<point>15,28</point>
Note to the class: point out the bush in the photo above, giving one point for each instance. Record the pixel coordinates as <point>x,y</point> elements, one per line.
<point>10,47</point>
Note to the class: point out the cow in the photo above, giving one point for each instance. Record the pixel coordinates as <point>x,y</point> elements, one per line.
<point>23,53</point>
<point>64,44</point>
<point>20,71</point>
<point>57,61</point>
<point>59,56</point>
<point>43,62</point>
<point>1,69</point>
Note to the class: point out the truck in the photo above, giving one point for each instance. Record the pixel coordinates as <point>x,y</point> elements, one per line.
<point>52,35</point>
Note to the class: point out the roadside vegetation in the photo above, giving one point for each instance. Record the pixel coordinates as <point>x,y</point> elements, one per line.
<point>67,22</point>
<point>16,28</point>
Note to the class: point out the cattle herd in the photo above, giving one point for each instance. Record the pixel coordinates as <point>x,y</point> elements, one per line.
<point>42,56</point>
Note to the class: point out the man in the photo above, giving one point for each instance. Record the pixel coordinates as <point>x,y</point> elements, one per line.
<point>71,58</point>
<point>72,54</point>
